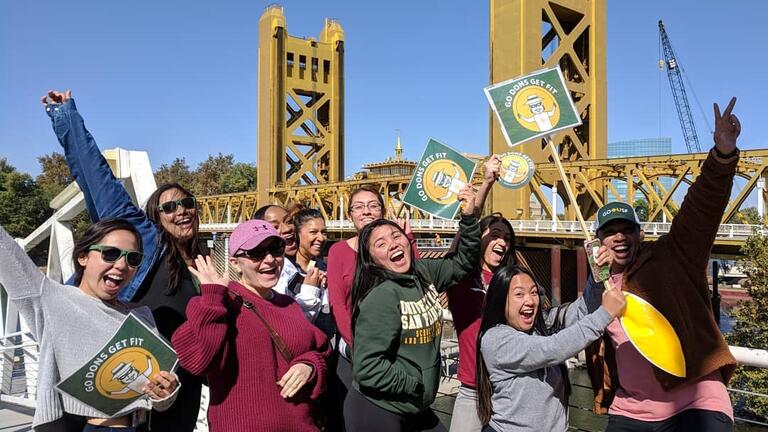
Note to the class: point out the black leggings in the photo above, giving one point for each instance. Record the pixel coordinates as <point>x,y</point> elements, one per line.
<point>689,420</point>
<point>360,414</point>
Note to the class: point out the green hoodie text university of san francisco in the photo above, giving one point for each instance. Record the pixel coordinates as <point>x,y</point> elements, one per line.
<point>396,349</point>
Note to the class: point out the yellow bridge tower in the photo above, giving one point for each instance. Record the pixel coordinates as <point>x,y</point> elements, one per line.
<point>527,35</point>
<point>301,111</point>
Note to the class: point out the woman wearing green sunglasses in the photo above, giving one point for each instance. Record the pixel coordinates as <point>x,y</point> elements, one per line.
<point>168,228</point>
<point>73,322</point>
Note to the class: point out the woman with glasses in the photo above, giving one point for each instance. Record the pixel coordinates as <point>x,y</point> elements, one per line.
<point>73,322</point>
<point>168,229</point>
<point>265,363</point>
<point>365,206</point>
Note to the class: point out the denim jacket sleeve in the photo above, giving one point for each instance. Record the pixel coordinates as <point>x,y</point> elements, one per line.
<point>105,196</point>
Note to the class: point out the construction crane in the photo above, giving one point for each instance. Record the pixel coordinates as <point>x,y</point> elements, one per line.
<point>674,72</point>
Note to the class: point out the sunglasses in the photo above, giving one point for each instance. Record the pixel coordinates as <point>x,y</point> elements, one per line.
<point>170,206</point>
<point>112,254</point>
<point>276,249</point>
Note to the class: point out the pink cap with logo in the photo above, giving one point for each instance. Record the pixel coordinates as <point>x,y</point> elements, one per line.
<point>250,234</point>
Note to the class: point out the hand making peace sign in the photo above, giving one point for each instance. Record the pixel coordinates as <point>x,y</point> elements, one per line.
<point>727,128</point>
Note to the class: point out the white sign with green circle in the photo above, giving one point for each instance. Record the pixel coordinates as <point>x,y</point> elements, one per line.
<point>517,170</point>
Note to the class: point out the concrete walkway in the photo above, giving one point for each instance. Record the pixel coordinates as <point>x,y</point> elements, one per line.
<point>14,418</point>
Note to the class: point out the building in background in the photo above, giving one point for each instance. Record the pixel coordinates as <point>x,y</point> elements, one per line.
<point>638,147</point>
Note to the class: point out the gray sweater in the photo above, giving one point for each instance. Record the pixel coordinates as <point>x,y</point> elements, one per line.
<point>70,328</point>
<point>528,387</point>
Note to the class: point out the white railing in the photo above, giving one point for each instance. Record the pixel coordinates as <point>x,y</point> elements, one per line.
<point>571,228</point>
<point>19,366</point>
<point>19,381</point>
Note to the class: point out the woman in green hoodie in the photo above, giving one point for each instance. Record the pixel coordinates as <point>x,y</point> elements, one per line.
<point>396,325</point>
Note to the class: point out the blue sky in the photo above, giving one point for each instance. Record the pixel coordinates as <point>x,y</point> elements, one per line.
<point>178,78</point>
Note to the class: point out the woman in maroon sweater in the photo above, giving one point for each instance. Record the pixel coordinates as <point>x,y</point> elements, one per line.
<point>259,381</point>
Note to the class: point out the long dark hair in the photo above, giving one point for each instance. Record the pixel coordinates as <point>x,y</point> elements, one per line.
<point>176,250</point>
<point>94,234</point>
<point>510,258</point>
<point>300,218</point>
<point>367,274</point>
<point>494,313</point>
<point>303,216</point>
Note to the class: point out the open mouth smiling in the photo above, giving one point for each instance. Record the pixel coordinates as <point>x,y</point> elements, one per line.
<point>397,256</point>
<point>113,281</point>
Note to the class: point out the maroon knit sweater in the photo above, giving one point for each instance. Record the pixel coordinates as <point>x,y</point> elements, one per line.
<point>227,343</point>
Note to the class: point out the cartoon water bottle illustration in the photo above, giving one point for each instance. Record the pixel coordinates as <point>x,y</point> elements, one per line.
<point>540,115</point>
<point>130,377</point>
<point>451,183</point>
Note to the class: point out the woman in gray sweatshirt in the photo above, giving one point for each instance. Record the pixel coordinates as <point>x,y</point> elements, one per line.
<point>522,382</point>
<point>72,323</point>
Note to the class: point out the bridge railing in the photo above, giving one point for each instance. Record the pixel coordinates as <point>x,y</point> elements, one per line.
<point>19,366</point>
<point>570,228</point>
<point>19,381</point>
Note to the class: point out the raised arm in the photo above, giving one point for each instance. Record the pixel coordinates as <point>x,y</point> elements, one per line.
<point>449,271</point>
<point>569,313</point>
<point>511,351</point>
<point>23,282</point>
<point>695,226</point>
<point>104,195</point>
<point>492,167</point>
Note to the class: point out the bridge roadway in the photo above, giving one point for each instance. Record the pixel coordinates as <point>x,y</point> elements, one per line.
<point>730,237</point>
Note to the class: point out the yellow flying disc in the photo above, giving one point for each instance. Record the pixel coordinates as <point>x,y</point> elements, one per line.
<point>653,336</point>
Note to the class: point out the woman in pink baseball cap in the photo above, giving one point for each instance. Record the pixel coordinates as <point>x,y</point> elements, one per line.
<point>252,343</point>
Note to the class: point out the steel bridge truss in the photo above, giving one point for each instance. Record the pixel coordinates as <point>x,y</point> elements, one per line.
<point>590,180</point>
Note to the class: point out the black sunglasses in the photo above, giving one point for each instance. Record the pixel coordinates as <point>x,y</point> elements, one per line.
<point>112,254</point>
<point>276,249</point>
<point>170,206</point>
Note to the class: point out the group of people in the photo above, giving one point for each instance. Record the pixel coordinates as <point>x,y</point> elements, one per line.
<point>352,342</point>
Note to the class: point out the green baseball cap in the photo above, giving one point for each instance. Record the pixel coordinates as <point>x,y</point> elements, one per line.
<point>614,211</point>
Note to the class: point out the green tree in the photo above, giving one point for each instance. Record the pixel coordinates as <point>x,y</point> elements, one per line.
<point>748,215</point>
<point>643,211</point>
<point>54,175</point>
<point>175,172</point>
<point>751,329</point>
<point>641,208</point>
<point>23,206</point>
<point>208,175</point>
<point>240,178</point>
<point>216,175</point>
<point>53,178</point>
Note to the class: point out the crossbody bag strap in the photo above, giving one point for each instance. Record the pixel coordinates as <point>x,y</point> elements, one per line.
<point>276,339</point>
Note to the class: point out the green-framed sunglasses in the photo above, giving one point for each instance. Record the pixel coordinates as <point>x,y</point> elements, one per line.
<point>112,254</point>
